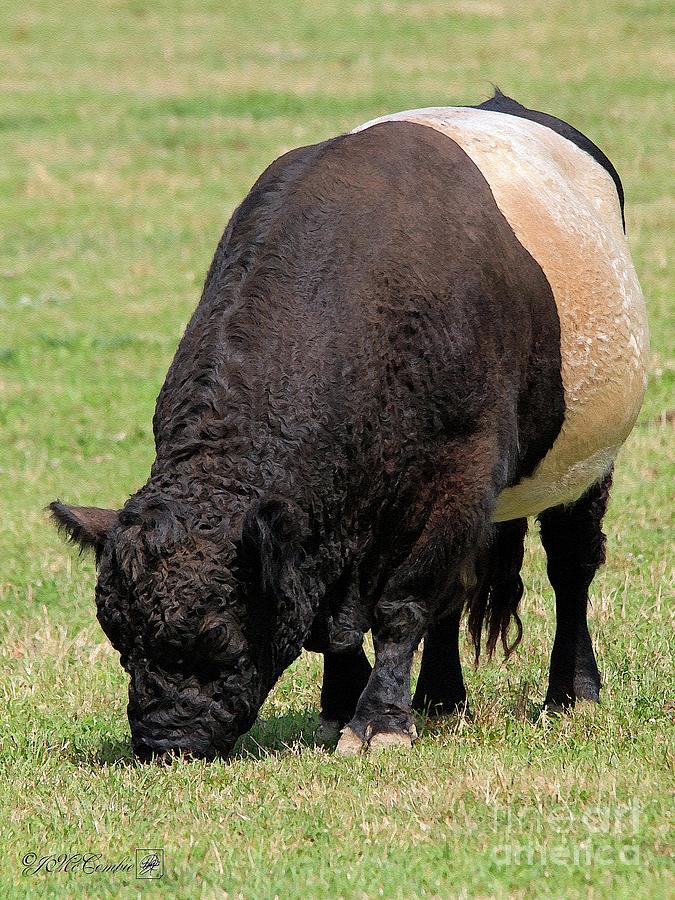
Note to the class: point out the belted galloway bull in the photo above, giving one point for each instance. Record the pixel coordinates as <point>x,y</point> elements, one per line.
<point>411,338</point>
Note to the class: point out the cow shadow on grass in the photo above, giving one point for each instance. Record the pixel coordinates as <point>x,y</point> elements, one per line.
<point>107,753</point>
<point>290,734</point>
<point>282,735</point>
<point>285,735</point>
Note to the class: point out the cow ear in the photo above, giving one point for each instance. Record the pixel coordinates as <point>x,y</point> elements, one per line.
<point>273,534</point>
<point>83,525</point>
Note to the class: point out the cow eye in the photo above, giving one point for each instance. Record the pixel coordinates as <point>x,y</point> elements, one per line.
<point>220,639</point>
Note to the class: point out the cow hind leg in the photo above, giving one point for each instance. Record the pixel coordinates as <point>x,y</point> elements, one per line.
<point>345,675</point>
<point>575,548</point>
<point>440,686</point>
<point>491,596</point>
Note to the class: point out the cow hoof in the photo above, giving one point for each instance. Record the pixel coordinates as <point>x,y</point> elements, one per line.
<point>588,702</point>
<point>328,732</point>
<point>385,740</point>
<point>350,743</point>
<point>555,710</point>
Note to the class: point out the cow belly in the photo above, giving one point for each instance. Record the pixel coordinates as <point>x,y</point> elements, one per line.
<point>563,207</point>
<point>549,486</point>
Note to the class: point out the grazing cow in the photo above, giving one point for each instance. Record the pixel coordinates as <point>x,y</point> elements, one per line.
<point>411,338</point>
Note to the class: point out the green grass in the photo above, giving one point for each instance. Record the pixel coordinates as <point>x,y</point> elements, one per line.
<point>128,131</point>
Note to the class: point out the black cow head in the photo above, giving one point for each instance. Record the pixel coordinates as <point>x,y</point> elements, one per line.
<point>205,620</point>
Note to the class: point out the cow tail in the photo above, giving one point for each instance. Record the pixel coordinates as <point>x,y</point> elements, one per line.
<point>493,608</point>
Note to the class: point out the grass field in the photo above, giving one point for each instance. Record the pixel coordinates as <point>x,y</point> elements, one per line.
<point>128,131</point>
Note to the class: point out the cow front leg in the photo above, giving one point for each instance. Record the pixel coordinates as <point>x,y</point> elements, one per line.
<point>413,598</point>
<point>345,676</point>
<point>383,716</point>
<point>440,687</point>
<point>575,549</point>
